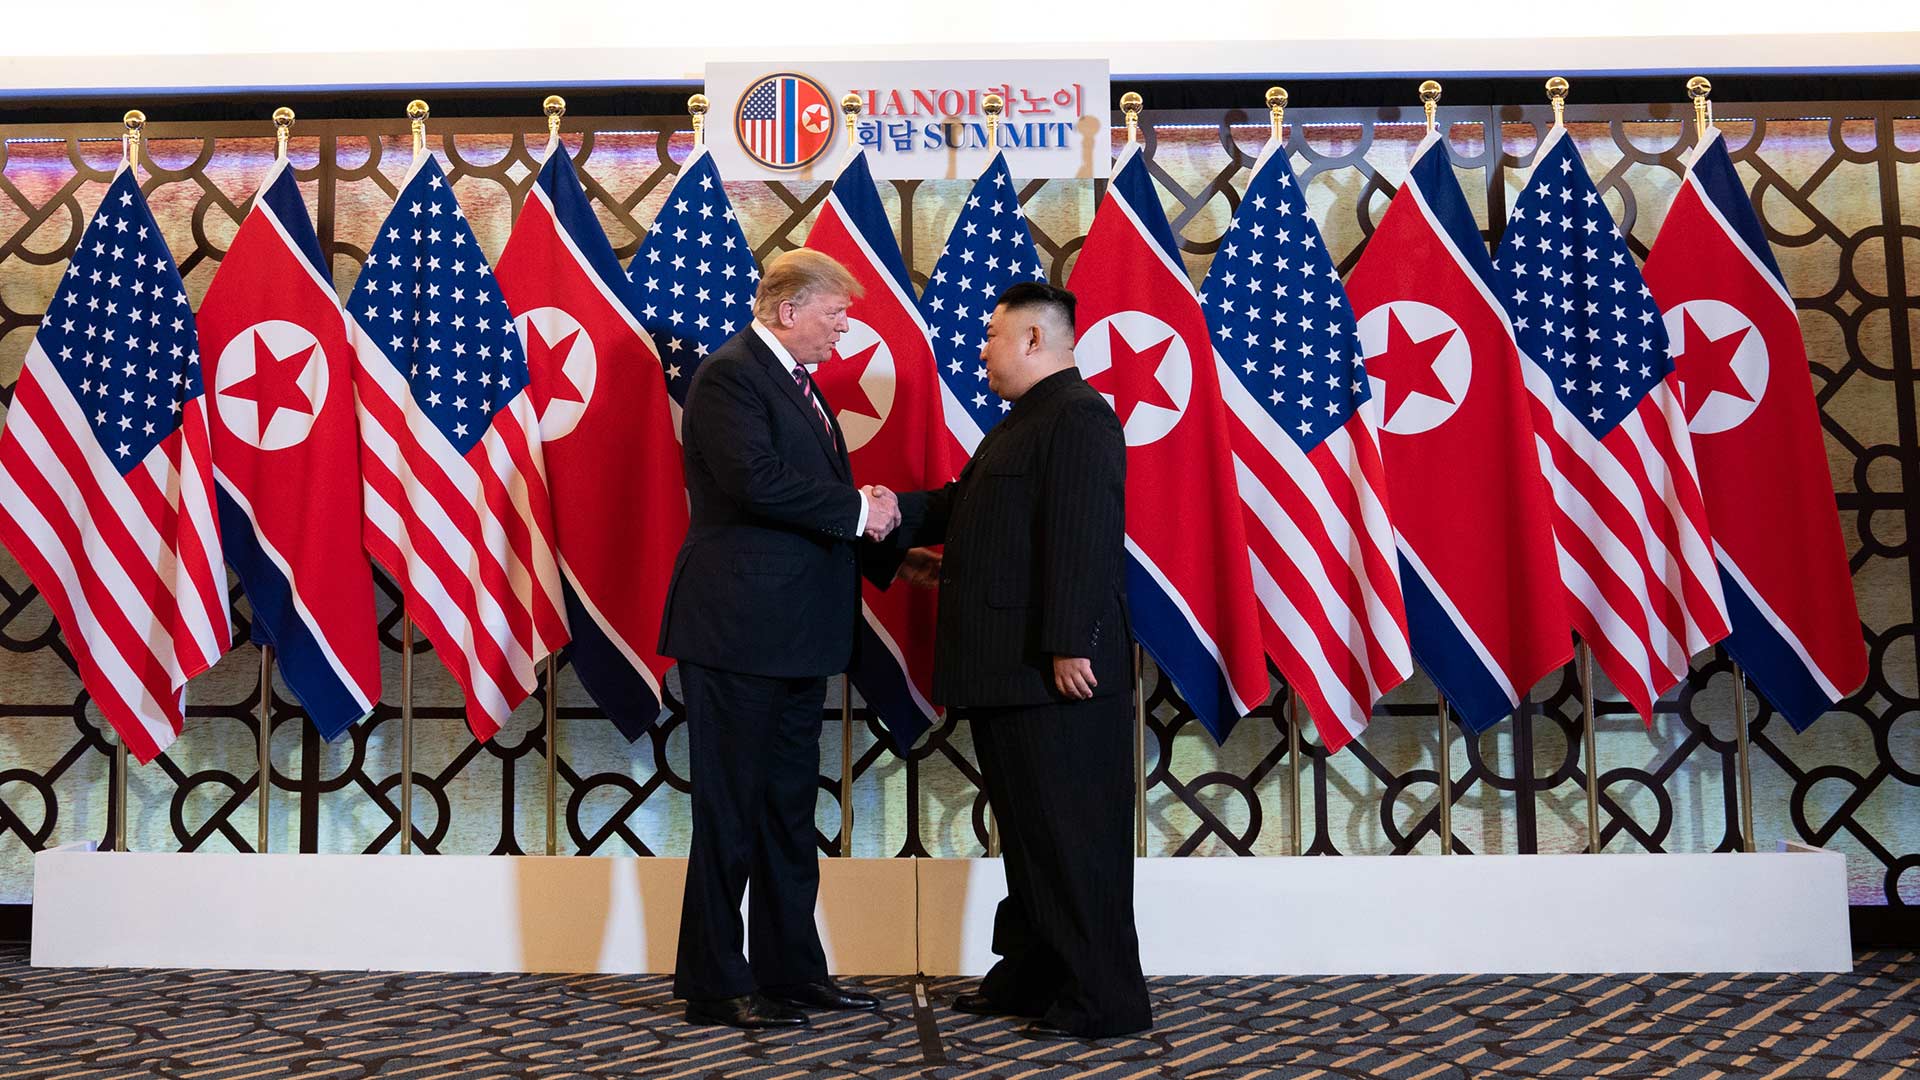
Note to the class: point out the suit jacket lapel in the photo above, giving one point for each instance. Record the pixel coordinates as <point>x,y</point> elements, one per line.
<point>790,390</point>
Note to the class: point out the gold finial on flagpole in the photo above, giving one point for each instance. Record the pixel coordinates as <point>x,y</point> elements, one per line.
<point>697,107</point>
<point>282,130</point>
<point>1276,107</point>
<point>417,114</point>
<point>1698,88</point>
<point>1430,100</point>
<point>1130,104</point>
<point>130,144</point>
<point>1557,96</point>
<point>993,106</point>
<point>555,107</point>
<point>850,108</point>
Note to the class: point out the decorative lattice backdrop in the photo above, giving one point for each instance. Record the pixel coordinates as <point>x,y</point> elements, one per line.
<point>1837,185</point>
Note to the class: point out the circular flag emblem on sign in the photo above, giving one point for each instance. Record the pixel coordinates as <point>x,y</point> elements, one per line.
<point>784,121</point>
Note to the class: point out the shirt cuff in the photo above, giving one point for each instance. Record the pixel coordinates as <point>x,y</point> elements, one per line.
<point>860,527</point>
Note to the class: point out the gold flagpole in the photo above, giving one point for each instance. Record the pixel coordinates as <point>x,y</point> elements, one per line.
<point>555,107</point>
<point>1430,101</point>
<point>1293,769</point>
<point>1276,107</point>
<point>266,738</point>
<point>135,122</point>
<point>992,106</point>
<point>697,107</point>
<point>1745,793</point>
<point>1593,754</point>
<point>850,105</point>
<point>1139,753</point>
<point>1557,97</point>
<point>1446,778</point>
<point>417,121</point>
<point>1699,89</point>
<point>846,763</point>
<point>1130,105</point>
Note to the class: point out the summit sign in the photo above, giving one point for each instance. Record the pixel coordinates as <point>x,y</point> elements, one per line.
<point>920,120</point>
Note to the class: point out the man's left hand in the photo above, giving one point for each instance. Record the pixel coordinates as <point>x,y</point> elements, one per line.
<point>1073,676</point>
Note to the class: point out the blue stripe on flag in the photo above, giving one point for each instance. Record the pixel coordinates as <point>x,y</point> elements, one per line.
<point>1136,186</point>
<point>1162,629</point>
<point>329,701</point>
<point>789,121</point>
<point>867,216</point>
<point>1714,169</point>
<point>1776,670</point>
<point>615,685</point>
<point>290,209</point>
<point>1432,175</point>
<point>883,683</point>
<point>1476,695</point>
<point>575,216</point>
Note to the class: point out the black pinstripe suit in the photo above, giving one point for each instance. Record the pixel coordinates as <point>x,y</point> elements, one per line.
<point>1035,568</point>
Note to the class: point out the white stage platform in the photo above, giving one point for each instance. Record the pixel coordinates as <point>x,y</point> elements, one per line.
<point>1774,911</point>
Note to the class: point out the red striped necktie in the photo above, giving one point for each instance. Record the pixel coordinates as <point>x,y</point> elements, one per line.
<point>805,382</point>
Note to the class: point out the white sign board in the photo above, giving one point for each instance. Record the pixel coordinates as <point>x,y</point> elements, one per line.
<point>922,120</point>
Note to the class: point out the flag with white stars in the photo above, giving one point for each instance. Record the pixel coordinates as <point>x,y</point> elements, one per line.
<point>1307,456</point>
<point>988,250</point>
<point>1757,442</point>
<point>106,488</point>
<point>455,495</point>
<point>694,275</point>
<point>1635,554</point>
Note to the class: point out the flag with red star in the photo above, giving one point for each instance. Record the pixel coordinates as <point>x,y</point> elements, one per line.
<point>606,428</point>
<point>885,391</point>
<point>285,456</point>
<point>1735,339</point>
<point>1471,511</point>
<point>1144,345</point>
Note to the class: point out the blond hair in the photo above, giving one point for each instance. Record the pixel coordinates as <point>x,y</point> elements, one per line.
<point>797,275</point>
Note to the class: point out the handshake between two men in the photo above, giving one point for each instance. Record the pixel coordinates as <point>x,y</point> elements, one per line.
<point>1032,651</point>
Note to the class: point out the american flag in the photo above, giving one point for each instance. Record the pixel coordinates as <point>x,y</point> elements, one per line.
<point>106,489</point>
<point>988,250</point>
<point>1307,457</point>
<point>694,274</point>
<point>455,486</point>
<point>1630,523</point>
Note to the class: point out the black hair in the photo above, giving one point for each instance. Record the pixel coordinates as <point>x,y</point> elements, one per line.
<point>1032,294</point>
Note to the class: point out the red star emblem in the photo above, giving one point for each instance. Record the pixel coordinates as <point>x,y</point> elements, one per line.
<point>1132,376</point>
<point>547,369</point>
<point>275,382</point>
<point>847,373</point>
<point>1407,366</point>
<point>1707,365</point>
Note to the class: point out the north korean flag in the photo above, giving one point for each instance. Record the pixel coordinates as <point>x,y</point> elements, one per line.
<point>1742,365</point>
<point>1471,510</point>
<point>613,462</point>
<point>885,392</point>
<point>1144,345</point>
<point>286,457</point>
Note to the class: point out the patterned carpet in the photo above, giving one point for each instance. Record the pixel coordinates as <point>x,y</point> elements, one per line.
<point>229,1025</point>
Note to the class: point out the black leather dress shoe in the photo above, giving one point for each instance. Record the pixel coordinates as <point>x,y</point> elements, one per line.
<point>1046,1029</point>
<point>825,994</point>
<point>979,1005</point>
<point>752,1012</point>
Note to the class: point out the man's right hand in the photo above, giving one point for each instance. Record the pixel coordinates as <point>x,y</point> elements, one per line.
<point>883,511</point>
